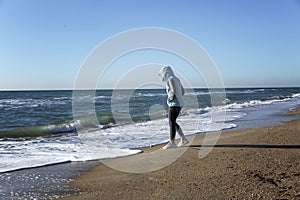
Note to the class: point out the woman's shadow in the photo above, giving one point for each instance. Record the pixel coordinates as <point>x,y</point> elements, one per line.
<point>250,146</point>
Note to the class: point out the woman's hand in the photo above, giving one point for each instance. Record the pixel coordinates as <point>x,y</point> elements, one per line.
<point>170,98</point>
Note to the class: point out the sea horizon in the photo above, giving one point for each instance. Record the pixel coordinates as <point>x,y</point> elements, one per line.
<point>72,89</point>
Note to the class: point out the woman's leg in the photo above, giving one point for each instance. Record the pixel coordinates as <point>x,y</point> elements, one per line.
<point>173,114</point>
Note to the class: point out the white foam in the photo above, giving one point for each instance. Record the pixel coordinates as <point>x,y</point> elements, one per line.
<point>45,151</point>
<point>296,95</point>
<point>157,131</point>
<point>252,103</point>
<point>209,127</point>
<point>30,103</point>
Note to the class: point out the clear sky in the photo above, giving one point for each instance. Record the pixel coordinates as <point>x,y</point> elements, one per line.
<point>254,43</point>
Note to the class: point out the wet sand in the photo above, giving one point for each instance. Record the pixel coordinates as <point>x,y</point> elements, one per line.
<point>258,163</point>
<point>46,182</point>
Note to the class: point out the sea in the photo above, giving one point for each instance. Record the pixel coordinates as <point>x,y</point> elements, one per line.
<point>37,128</point>
<point>40,130</point>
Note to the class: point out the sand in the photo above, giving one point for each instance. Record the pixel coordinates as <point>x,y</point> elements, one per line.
<point>258,163</point>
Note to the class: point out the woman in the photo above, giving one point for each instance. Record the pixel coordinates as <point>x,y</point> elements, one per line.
<point>175,93</point>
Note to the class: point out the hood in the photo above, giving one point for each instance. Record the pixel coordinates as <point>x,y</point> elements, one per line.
<point>165,73</point>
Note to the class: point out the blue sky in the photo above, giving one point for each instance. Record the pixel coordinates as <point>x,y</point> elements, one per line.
<point>254,43</point>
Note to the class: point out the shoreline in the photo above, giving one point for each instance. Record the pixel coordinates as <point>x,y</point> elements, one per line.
<point>249,163</point>
<point>294,111</point>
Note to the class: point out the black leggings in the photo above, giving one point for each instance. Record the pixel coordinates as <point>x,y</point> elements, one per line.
<point>173,114</point>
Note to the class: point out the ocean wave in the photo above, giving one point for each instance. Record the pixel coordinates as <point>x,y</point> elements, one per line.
<point>297,95</point>
<point>30,103</point>
<point>62,98</point>
<point>225,91</point>
<point>140,94</point>
<point>38,131</point>
<point>263,101</point>
<point>244,91</point>
<point>57,129</point>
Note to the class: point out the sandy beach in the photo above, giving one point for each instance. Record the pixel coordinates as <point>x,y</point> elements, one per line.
<point>257,163</point>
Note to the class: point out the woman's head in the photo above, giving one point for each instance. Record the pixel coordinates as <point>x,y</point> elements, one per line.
<point>165,73</point>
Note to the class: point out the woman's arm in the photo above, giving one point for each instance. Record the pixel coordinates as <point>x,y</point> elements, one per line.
<point>171,94</point>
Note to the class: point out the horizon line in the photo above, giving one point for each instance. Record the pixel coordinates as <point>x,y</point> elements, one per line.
<point>88,89</point>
